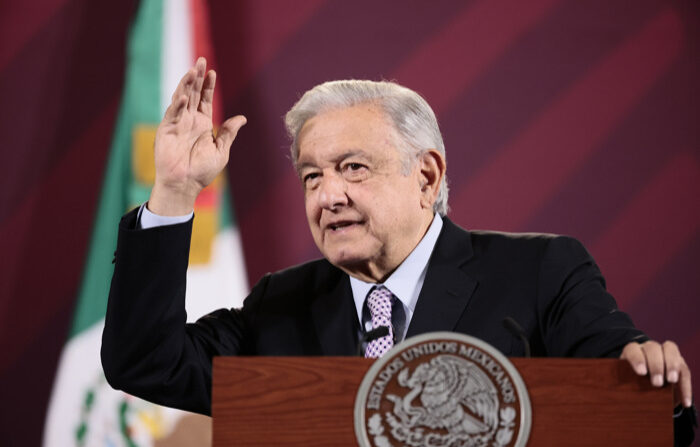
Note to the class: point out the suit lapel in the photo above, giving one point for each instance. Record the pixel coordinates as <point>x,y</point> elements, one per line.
<point>447,288</point>
<point>335,318</point>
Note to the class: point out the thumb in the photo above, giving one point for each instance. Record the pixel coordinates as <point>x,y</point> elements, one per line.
<point>228,131</point>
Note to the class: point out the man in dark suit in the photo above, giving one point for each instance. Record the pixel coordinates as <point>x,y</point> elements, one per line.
<point>372,164</point>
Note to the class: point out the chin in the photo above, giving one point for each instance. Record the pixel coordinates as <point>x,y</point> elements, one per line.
<point>345,258</point>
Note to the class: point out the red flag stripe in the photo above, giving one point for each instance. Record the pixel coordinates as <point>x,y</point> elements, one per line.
<point>279,214</point>
<point>202,46</point>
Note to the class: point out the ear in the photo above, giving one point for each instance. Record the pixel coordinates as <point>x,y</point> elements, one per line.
<point>432,171</point>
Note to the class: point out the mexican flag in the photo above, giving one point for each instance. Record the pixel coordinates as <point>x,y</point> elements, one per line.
<point>166,37</point>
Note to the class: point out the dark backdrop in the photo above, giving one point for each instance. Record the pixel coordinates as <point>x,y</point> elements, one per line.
<point>559,116</point>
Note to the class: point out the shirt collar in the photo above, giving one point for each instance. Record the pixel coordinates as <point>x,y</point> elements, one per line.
<point>407,280</point>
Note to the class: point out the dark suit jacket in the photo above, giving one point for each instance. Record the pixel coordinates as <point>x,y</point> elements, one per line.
<point>549,284</point>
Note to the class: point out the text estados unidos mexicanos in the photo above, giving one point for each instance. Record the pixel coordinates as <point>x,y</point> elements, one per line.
<point>477,356</point>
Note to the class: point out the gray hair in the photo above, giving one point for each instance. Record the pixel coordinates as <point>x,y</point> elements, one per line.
<point>410,114</point>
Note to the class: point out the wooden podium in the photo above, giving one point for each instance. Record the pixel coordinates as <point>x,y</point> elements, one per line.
<point>309,401</point>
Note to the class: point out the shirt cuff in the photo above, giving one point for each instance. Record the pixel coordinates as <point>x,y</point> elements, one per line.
<point>146,219</point>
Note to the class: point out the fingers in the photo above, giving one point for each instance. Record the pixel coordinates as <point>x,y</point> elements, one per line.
<point>677,372</point>
<point>635,356</point>
<point>646,358</point>
<point>654,354</point>
<point>685,386</point>
<point>228,131</point>
<point>205,105</point>
<point>195,91</point>
<point>659,361</point>
<point>198,87</point>
<point>174,112</point>
<point>673,361</point>
<point>185,85</point>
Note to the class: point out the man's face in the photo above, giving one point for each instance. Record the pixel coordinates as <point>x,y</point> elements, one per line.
<point>365,214</point>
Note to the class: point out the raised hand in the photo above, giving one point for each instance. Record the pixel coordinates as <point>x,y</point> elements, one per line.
<point>187,154</point>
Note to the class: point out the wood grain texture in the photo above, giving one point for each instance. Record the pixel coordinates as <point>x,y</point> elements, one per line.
<point>289,401</point>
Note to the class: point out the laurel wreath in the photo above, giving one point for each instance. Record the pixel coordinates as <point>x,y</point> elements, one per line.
<point>503,437</point>
<point>89,399</point>
<point>376,429</point>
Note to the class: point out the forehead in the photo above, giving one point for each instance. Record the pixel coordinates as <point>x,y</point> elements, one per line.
<point>362,128</point>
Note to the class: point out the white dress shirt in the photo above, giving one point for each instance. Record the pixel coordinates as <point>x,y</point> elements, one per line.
<point>405,283</point>
<point>147,219</point>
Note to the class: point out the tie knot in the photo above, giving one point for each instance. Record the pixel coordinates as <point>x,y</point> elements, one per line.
<point>379,302</point>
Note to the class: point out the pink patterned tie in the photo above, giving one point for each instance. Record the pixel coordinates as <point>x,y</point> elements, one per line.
<point>379,303</point>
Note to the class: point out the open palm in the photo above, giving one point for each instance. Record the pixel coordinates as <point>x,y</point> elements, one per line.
<point>187,154</point>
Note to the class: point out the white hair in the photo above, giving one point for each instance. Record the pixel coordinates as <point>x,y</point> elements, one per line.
<point>409,113</point>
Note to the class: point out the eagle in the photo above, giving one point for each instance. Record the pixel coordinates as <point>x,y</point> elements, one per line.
<point>454,394</point>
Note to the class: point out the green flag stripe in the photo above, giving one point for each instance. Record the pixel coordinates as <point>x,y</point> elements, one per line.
<point>140,104</point>
<point>227,217</point>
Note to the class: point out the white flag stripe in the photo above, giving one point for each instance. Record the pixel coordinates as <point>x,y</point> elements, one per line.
<point>177,53</point>
<point>222,282</point>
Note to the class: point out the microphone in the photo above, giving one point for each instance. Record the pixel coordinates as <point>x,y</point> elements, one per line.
<point>515,329</point>
<point>374,334</point>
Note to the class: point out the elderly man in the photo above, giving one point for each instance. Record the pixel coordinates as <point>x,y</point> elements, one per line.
<point>372,166</point>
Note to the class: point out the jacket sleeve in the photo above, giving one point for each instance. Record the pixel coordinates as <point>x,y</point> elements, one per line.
<point>148,350</point>
<point>579,318</point>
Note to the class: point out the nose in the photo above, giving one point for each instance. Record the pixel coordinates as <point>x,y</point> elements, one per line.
<point>332,192</point>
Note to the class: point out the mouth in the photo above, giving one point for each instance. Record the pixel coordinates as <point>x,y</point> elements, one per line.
<point>337,227</point>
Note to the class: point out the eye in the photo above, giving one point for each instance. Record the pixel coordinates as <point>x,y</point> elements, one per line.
<point>353,168</point>
<point>354,171</point>
<point>310,179</point>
